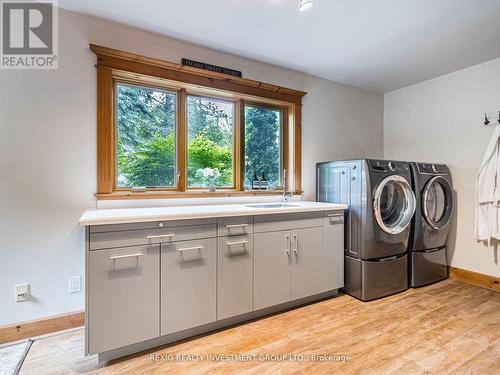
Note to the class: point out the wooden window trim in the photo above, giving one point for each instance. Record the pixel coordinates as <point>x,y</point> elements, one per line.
<point>105,131</point>
<point>119,66</point>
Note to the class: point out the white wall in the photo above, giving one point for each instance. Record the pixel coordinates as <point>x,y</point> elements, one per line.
<point>48,151</point>
<point>440,120</point>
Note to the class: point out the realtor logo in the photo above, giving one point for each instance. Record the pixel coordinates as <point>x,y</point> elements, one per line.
<point>29,35</point>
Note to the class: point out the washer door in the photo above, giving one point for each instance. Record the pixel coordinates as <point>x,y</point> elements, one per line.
<point>393,204</point>
<point>437,202</point>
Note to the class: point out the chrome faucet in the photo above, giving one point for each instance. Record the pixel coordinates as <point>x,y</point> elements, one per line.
<point>286,195</point>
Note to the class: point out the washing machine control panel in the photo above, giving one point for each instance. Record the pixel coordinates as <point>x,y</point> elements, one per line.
<point>389,166</point>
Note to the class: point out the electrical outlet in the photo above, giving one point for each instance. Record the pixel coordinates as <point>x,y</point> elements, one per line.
<point>74,284</point>
<point>22,292</point>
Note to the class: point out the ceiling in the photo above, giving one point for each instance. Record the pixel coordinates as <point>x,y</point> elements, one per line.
<point>378,45</point>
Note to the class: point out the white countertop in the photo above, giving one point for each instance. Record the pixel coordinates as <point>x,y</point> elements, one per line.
<point>135,215</point>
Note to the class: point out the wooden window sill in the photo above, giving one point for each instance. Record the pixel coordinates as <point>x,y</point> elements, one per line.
<point>117,195</point>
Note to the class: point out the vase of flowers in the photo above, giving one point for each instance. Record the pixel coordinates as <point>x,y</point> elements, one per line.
<point>210,176</point>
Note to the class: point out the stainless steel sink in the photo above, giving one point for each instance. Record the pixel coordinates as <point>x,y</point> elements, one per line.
<point>271,205</point>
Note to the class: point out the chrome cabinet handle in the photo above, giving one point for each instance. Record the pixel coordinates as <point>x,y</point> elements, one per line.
<point>243,250</point>
<point>295,250</point>
<point>114,257</point>
<point>229,226</point>
<point>237,243</point>
<point>336,219</point>
<point>287,251</point>
<point>181,249</point>
<point>157,236</point>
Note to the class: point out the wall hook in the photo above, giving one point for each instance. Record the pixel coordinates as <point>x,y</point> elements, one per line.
<point>486,121</point>
<point>499,117</point>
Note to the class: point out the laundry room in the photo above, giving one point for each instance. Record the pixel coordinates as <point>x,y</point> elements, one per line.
<point>266,186</point>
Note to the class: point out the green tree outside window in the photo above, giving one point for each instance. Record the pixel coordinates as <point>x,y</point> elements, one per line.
<point>146,139</point>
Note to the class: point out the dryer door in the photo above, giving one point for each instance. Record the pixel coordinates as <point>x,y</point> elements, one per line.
<point>437,202</point>
<point>393,204</point>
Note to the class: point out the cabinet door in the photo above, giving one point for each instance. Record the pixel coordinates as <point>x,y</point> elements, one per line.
<point>235,276</point>
<point>333,267</point>
<point>123,297</point>
<point>307,262</point>
<point>271,269</point>
<point>188,284</point>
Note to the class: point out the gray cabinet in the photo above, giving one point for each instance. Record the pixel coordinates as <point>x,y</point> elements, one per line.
<point>235,276</point>
<point>287,221</point>
<point>333,260</point>
<point>307,262</point>
<point>146,280</point>
<point>188,284</point>
<point>288,265</point>
<point>271,268</point>
<point>123,297</point>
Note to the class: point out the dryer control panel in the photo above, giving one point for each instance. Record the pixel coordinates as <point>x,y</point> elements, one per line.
<point>437,169</point>
<point>387,166</point>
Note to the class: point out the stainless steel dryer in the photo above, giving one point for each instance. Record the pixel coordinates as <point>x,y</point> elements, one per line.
<point>381,206</point>
<point>428,255</point>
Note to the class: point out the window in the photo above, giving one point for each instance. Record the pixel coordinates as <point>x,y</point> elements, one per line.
<point>145,147</point>
<point>263,144</point>
<point>173,131</point>
<point>210,140</point>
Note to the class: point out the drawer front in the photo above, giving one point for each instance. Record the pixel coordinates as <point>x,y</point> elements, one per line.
<point>428,267</point>
<point>235,276</point>
<point>149,225</point>
<point>382,279</point>
<point>368,280</point>
<point>271,223</point>
<point>188,284</point>
<point>235,226</point>
<point>166,234</point>
<point>123,297</point>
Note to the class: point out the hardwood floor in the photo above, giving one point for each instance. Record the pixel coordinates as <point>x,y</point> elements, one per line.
<point>445,328</point>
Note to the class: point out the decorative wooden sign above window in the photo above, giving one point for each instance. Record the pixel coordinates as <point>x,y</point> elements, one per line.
<point>210,67</point>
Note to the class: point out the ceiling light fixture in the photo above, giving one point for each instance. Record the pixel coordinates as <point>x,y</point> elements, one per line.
<point>305,4</point>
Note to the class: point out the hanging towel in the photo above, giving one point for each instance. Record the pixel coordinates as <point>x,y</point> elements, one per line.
<point>487,224</point>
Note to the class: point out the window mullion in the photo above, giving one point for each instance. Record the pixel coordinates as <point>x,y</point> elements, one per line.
<point>182,141</point>
<point>238,127</point>
<point>241,143</point>
<point>285,152</point>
